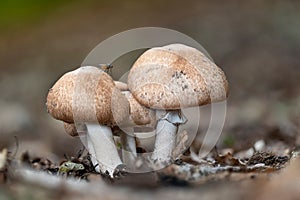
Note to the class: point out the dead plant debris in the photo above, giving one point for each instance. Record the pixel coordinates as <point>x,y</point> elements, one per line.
<point>183,172</point>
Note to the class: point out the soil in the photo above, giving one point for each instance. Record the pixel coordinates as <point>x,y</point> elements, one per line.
<point>239,177</point>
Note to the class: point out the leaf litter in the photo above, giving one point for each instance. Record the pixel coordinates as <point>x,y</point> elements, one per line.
<point>263,159</point>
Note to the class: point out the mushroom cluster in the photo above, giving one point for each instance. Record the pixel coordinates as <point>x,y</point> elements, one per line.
<point>162,81</point>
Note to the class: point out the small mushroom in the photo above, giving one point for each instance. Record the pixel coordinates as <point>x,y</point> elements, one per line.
<point>139,116</point>
<point>169,78</point>
<point>88,96</point>
<point>121,86</point>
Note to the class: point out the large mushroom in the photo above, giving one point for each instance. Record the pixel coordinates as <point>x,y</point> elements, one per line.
<point>88,96</point>
<point>169,78</point>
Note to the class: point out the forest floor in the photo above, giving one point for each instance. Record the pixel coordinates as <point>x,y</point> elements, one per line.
<point>267,170</point>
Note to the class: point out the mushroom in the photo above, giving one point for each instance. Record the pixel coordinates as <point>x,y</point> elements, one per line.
<point>139,116</point>
<point>169,78</point>
<point>88,96</point>
<point>121,86</point>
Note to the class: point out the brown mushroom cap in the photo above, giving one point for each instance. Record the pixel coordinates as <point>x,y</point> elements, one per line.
<point>73,95</point>
<point>121,86</point>
<point>70,129</point>
<point>139,115</point>
<point>176,76</point>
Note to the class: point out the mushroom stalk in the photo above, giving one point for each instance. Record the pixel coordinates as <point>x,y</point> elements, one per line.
<point>129,153</point>
<point>166,132</point>
<point>91,150</point>
<point>129,143</point>
<point>100,141</point>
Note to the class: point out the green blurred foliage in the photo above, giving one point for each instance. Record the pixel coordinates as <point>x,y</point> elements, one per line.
<point>18,12</point>
<point>229,141</point>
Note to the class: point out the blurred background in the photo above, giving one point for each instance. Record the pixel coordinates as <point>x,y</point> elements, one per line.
<point>256,43</point>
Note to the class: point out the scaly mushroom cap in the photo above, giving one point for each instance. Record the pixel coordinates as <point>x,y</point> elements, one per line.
<point>176,76</point>
<point>121,86</point>
<point>139,115</point>
<point>70,129</point>
<point>87,94</point>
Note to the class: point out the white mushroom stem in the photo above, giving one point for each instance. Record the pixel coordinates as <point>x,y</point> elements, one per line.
<point>165,141</point>
<point>166,131</point>
<point>92,152</point>
<point>129,154</point>
<point>100,142</point>
<point>129,143</point>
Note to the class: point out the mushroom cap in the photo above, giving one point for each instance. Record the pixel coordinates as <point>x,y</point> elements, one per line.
<point>87,94</point>
<point>176,76</point>
<point>139,115</point>
<point>70,129</point>
<point>121,86</point>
